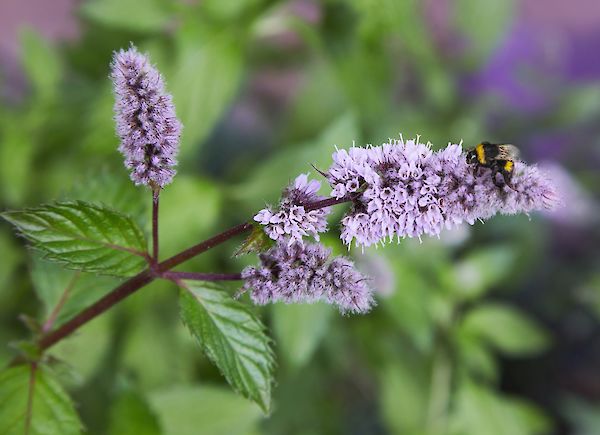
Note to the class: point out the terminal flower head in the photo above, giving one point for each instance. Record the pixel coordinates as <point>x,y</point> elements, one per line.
<point>145,117</point>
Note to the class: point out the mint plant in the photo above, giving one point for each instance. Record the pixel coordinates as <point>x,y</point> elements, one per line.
<point>397,190</point>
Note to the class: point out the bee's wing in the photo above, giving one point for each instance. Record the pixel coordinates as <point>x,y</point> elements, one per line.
<point>507,152</point>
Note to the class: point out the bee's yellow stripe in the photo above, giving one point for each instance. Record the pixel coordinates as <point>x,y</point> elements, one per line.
<point>508,166</point>
<point>480,154</point>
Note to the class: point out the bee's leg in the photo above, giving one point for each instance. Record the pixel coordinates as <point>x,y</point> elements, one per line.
<point>505,168</point>
<point>507,176</point>
<point>495,180</point>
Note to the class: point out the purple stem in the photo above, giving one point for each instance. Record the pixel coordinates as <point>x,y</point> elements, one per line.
<point>202,276</point>
<point>160,270</point>
<point>155,196</point>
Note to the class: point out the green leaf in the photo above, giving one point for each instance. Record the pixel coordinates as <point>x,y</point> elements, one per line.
<point>127,14</point>
<point>232,337</point>
<point>484,24</point>
<point>404,387</point>
<point>207,75</point>
<point>299,329</point>
<point>480,410</point>
<point>10,260</point>
<point>182,220</point>
<point>84,353</point>
<point>482,269</point>
<point>268,180</point>
<point>201,409</point>
<point>51,413</point>
<point>119,193</point>
<point>228,10</point>
<point>131,414</point>
<point>51,281</point>
<point>505,328</point>
<point>17,152</point>
<point>83,236</point>
<point>476,356</point>
<point>150,335</point>
<point>41,63</point>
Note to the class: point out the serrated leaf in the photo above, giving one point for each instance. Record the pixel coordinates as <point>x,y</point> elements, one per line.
<point>505,328</point>
<point>52,412</point>
<point>119,193</point>
<point>83,236</point>
<point>201,409</point>
<point>232,337</point>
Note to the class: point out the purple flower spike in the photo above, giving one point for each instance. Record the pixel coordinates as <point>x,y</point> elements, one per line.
<point>300,273</point>
<point>404,189</point>
<point>292,221</point>
<point>146,121</point>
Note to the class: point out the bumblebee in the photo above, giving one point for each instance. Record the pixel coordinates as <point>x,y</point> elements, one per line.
<point>500,158</point>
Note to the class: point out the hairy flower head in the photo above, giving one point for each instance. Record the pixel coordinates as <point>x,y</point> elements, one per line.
<point>404,189</point>
<point>291,220</point>
<point>302,273</point>
<point>145,117</point>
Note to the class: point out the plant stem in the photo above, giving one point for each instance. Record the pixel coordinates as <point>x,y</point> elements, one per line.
<point>155,196</point>
<point>204,246</point>
<point>202,276</point>
<point>145,277</point>
<point>135,283</point>
<point>328,202</point>
<point>118,294</point>
<point>63,298</point>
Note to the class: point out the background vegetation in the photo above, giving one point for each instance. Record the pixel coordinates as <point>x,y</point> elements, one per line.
<point>493,329</point>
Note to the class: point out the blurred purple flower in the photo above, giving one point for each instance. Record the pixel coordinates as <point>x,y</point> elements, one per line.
<point>582,210</point>
<point>300,273</point>
<point>404,189</point>
<point>146,121</point>
<point>291,220</point>
<point>548,46</point>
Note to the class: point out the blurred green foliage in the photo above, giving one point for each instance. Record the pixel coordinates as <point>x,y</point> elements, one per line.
<point>428,360</point>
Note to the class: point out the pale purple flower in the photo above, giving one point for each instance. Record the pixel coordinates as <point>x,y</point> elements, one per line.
<point>145,117</point>
<point>298,272</point>
<point>291,220</point>
<point>404,189</point>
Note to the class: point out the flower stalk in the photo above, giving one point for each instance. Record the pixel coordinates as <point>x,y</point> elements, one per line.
<point>155,199</point>
<point>142,279</point>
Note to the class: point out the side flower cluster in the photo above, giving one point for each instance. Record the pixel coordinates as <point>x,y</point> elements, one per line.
<point>146,121</point>
<point>291,220</point>
<point>301,273</point>
<point>404,189</point>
